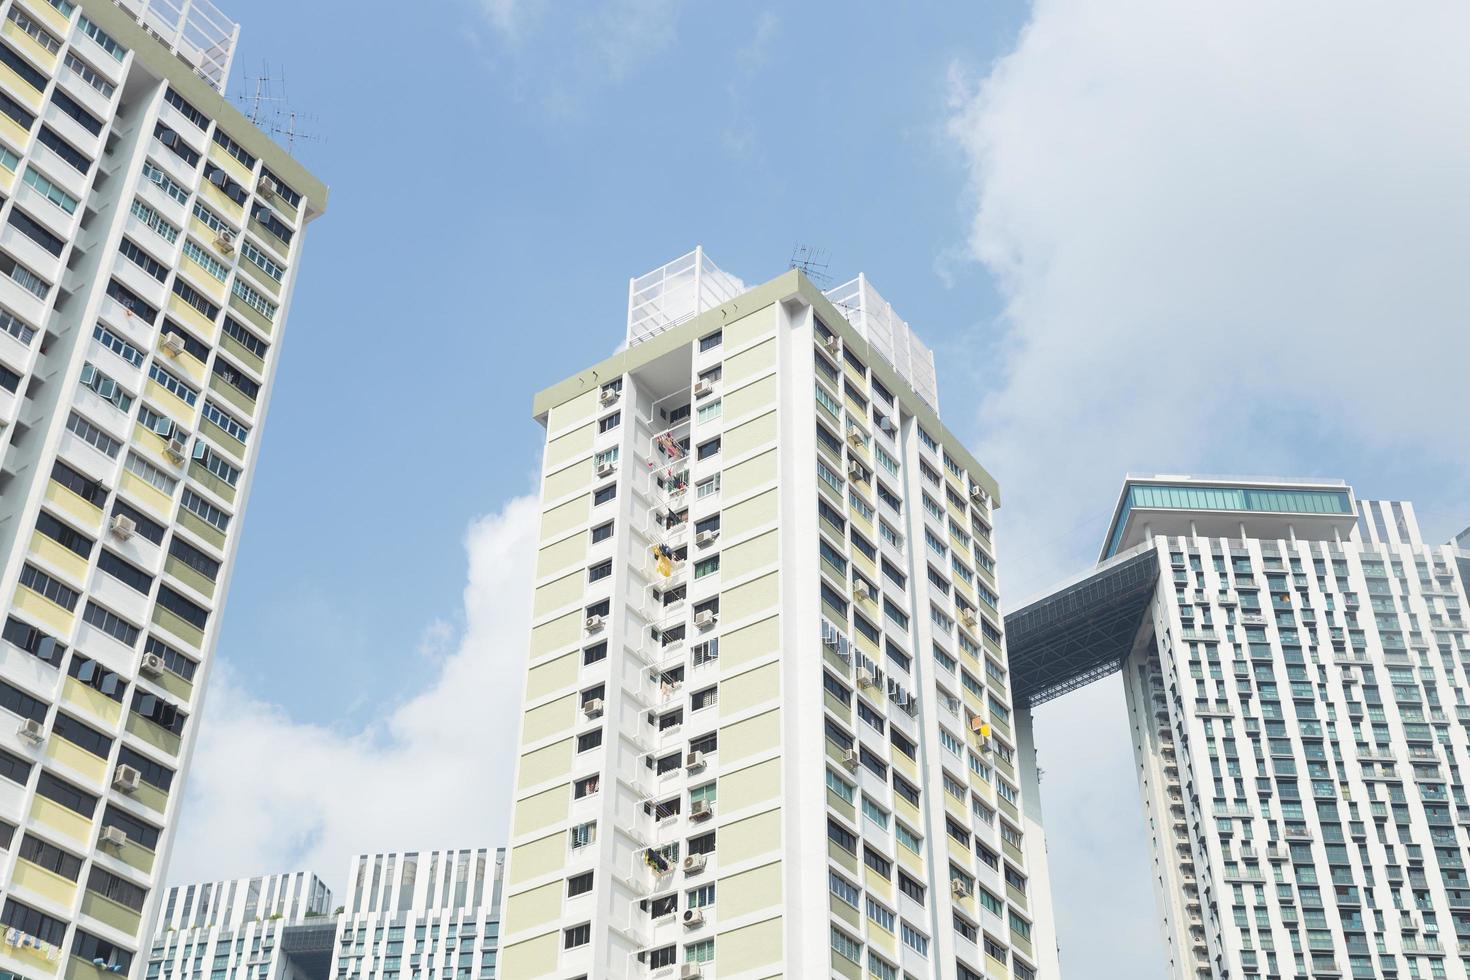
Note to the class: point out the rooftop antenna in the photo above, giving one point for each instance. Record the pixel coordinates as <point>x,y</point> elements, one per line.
<point>265,104</point>
<point>813,263</point>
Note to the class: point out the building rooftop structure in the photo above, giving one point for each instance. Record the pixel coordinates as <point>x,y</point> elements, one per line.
<point>1082,630</point>
<point>196,31</point>
<point>691,284</point>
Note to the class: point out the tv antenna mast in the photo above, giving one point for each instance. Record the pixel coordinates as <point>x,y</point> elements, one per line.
<point>813,263</point>
<point>265,104</point>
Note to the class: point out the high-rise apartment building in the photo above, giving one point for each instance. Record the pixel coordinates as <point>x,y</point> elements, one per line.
<point>149,241</point>
<point>1295,664</point>
<point>416,915</point>
<point>428,915</point>
<point>272,927</point>
<point>768,728</point>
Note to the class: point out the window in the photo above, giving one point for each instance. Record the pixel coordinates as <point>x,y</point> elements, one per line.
<point>588,741</point>
<point>24,277</point>
<point>579,884</point>
<point>33,641</point>
<point>194,558</point>
<point>840,787</point>
<point>602,532</point>
<point>105,387</point>
<point>59,791</point>
<point>907,838</point>
<point>708,449</point>
<point>110,623</point>
<point>189,612</point>
<point>235,378</point>
<point>74,158</point>
<point>609,422</point>
<point>205,510</point>
<point>125,572</point>
<point>843,889</point>
<point>50,857</point>
<point>877,862</point>
<point>232,428</point>
<point>600,571</point>
<point>707,487</point>
<point>847,947</point>
<point>700,898</point>
<point>50,191</point>
<point>706,652</point>
<point>841,836</point>
<point>915,940</point>
<point>707,698</point>
<point>85,71</point>
<point>874,812</point>
<point>604,494</point>
<point>85,737</point>
<point>700,952</point>
<point>710,411</point>
<point>153,773</point>
<point>583,834</point>
<point>64,534</point>
<point>881,916</point>
<point>237,332</point>
<point>710,341</point>
<point>33,923</point>
<point>253,298</point>
<point>577,936</point>
<point>706,566</point>
<point>38,581</point>
<point>594,653</point>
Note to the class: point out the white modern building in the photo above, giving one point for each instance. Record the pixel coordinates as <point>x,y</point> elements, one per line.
<point>149,242</point>
<point>768,727</point>
<point>273,927</point>
<point>1295,664</point>
<point>428,915</point>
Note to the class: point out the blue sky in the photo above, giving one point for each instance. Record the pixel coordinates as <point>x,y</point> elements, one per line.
<point>490,197</point>
<point>1139,237</point>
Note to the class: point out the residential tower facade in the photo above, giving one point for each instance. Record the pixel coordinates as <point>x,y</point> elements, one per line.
<point>768,728</point>
<point>427,915</point>
<point>1295,667</point>
<point>272,927</point>
<point>149,242</point>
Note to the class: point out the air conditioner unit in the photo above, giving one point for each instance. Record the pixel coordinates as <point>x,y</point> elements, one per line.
<point>832,345</point>
<point>977,494</point>
<point>699,810</point>
<point>850,757</point>
<point>865,677</point>
<point>856,436</point>
<point>856,472</point>
<point>693,918</point>
<point>694,864</point>
<point>178,450</point>
<point>30,730</point>
<point>967,618</point>
<point>885,423</point>
<point>113,837</point>
<point>173,344</point>
<point>706,538</point>
<point>604,469</point>
<point>689,971</point>
<point>703,387</point>
<point>704,619</point>
<point>123,527</point>
<point>592,708</point>
<point>225,241</point>
<point>958,888</point>
<point>694,761</point>
<point>152,664</point>
<point>608,396</point>
<point>861,592</point>
<point>267,188</point>
<point>126,779</point>
<point>594,623</point>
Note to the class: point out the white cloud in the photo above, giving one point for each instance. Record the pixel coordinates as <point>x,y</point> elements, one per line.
<point>561,55</point>
<point>1230,239</point>
<point>271,792</point>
